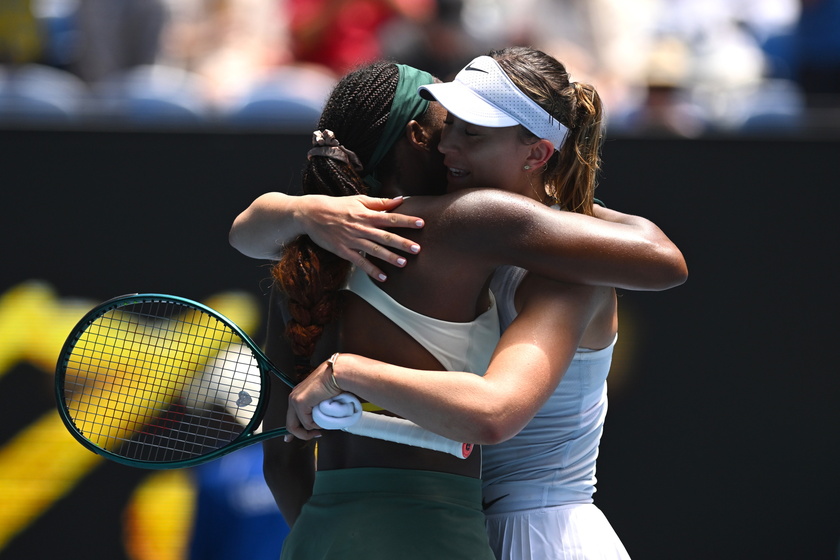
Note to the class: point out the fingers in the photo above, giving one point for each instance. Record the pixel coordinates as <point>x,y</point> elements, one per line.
<point>300,424</point>
<point>381,204</point>
<point>369,268</point>
<point>308,393</point>
<point>362,236</point>
<point>370,248</point>
<point>400,221</point>
<point>377,242</point>
<point>385,218</point>
<point>389,239</point>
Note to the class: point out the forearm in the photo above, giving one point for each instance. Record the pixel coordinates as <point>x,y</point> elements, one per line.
<point>667,263</point>
<point>262,229</point>
<point>622,252</point>
<point>458,405</point>
<point>629,253</point>
<point>525,368</point>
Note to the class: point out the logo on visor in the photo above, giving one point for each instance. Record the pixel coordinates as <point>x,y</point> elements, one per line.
<point>474,69</point>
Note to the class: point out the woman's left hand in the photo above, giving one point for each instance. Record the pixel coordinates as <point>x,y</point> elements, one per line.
<point>351,227</point>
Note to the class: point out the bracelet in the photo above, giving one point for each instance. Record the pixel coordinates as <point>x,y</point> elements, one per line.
<point>331,362</point>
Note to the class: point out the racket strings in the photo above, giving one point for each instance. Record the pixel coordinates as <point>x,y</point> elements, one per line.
<point>161,381</point>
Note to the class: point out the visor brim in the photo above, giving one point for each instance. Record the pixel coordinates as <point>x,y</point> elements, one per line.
<point>467,105</point>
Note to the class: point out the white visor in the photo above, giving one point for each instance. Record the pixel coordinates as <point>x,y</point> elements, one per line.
<point>482,94</point>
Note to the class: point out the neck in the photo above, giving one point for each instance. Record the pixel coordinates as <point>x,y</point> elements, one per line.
<point>533,188</point>
<point>416,173</point>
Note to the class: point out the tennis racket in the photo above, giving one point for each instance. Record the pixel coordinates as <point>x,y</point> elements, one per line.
<point>158,382</point>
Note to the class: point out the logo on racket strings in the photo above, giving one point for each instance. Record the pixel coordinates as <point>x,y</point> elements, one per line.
<point>244,399</point>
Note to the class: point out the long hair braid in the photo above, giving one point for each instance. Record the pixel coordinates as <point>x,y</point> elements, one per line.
<point>571,174</point>
<point>356,111</point>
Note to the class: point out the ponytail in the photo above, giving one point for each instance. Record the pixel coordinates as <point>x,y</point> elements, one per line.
<point>573,178</point>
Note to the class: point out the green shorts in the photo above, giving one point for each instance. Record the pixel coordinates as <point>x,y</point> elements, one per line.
<point>388,514</point>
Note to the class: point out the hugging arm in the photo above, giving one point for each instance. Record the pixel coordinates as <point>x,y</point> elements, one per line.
<point>344,226</point>
<point>288,468</point>
<point>611,249</point>
<point>527,365</point>
<point>499,227</point>
<point>614,249</point>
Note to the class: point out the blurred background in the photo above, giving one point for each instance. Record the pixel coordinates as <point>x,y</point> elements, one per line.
<point>132,132</point>
<point>682,67</point>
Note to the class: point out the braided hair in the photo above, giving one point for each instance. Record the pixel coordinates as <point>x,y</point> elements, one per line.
<point>357,112</point>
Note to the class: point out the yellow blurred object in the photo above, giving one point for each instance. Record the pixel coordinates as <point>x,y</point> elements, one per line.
<point>151,362</point>
<point>37,467</point>
<point>43,462</point>
<point>20,32</point>
<point>159,518</point>
<point>33,326</point>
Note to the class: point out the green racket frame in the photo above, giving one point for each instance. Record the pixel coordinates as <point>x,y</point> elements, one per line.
<point>245,438</point>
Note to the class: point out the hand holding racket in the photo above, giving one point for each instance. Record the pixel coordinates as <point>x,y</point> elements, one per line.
<point>157,381</point>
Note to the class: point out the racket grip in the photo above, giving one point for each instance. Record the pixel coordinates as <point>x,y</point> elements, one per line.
<point>400,430</point>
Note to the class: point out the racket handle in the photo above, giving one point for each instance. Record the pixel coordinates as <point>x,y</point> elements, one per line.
<point>400,430</point>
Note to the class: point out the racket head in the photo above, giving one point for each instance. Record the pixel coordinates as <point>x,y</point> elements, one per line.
<point>158,381</point>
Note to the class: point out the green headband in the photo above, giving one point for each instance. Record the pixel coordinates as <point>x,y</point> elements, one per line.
<point>406,106</point>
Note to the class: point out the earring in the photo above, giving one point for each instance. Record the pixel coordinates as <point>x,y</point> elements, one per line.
<point>526,167</point>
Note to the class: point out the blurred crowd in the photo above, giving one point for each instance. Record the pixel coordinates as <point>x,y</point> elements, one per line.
<point>677,67</point>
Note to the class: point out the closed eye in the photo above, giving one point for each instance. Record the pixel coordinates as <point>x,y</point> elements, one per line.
<point>461,126</point>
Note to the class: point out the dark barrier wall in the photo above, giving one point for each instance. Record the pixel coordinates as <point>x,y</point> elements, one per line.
<point>722,438</point>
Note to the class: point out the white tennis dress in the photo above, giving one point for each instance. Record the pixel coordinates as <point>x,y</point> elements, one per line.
<point>538,485</point>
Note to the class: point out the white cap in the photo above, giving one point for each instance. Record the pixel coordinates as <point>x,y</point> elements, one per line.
<point>482,94</point>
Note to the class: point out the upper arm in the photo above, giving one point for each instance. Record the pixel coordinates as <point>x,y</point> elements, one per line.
<point>536,349</point>
<point>565,246</point>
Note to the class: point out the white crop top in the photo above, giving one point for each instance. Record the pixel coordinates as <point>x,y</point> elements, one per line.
<point>457,346</point>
